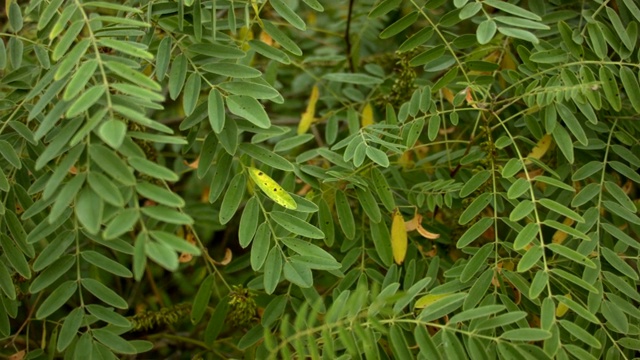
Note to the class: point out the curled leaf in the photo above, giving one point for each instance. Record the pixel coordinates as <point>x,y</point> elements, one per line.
<point>399,241</point>
<point>416,224</point>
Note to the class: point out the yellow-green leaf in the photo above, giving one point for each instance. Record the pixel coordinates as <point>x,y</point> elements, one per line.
<point>272,189</point>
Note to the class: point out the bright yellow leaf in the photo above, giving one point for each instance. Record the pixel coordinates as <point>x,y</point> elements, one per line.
<point>309,116</point>
<point>367,115</point>
<point>399,241</point>
<point>540,149</point>
<point>272,189</point>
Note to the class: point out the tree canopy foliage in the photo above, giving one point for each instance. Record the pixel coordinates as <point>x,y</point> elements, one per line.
<point>320,179</point>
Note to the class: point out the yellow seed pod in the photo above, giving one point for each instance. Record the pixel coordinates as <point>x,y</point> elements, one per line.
<point>540,149</point>
<point>399,240</point>
<point>272,189</point>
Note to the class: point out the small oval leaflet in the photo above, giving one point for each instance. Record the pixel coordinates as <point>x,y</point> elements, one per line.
<point>272,189</point>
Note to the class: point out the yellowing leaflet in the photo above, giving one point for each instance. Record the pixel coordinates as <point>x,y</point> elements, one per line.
<point>308,116</point>
<point>540,149</point>
<point>399,241</point>
<point>367,115</point>
<point>272,189</point>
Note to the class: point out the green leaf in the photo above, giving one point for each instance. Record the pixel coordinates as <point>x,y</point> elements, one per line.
<point>296,225</point>
<point>479,204</point>
<point>163,57</point>
<point>102,186</point>
<point>298,273</point>
<point>522,210</point>
<point>126,47</point>
<point>80,78</point>
<point>349,78</point>
<point>89,210</point>
<point>106,263</point>
<point>249,108</point>
<point>476,263</point>
<point>6,284</point>
<point>113,132</point>
<point>250,89</point>
<point>132,75</point>
<point>564,142</point>
<point>574,279</point>
<point>167,215</point>
<point>15,16</point>
<point>486,31</point>
<point>15,257</point>
<point>108,315</point>
<point>232,198</point>
<point>266,157</point>
<point>561,209</point>
<point>475,182</point>
<point>625,170</point>
<point>66,40</point>
<point>272,270</point>
<point>615,316</point>
<point>281,38</point>
<point>369,204</point>
<point>69,329</point>
<point>620,235</point>
<point>288,14</point>
<point>191,93</point>
<point>66,196</point>
<point>399,25</point>
<point>610,87</point>
<point>162,254</point>
<point>571,255</point>
<point>530,258</point>
<point>383,7</point>
<point>345,216</point>
<point>474,232</point>
<point>619,264</point>
<point>580,333</point>
<point>52,273</point>
<point>85,101</point>
<point>274,311</point>
<point>416,39</point>
<point>152,169</point>
<point>202,298</point>
<point>260,247</point>
<point>236,71</point>
<point>398,342</point>
<point>633,8</point>
<point>518,33</point>
<point>175,242</point>
<point>113,341</point>
<point>269,52</point>
<point>122,223</point>
<point>103,293</point>
<point>378,156</point>
<point>249,222</point>
<point>512,9</point>
<point>526,335</point>
<point>57,299</point>
<point>111,164</point>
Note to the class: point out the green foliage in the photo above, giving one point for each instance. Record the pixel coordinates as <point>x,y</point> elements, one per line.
<point>165,192</point>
